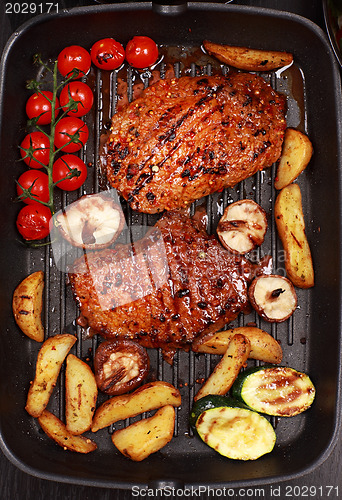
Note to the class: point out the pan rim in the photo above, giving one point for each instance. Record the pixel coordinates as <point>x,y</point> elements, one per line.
<point>217,7</point>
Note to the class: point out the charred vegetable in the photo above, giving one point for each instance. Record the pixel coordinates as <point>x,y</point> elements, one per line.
<point>242,226</point>
<point>146,436</point>
<point>263,346</point>
<point>225,372</point>
<point>248,59</point>
<point>120,366</point>
<point>273,297</point>
<point>92,222</point>
<point>49,362</point>
<point>206,403</point>
<point>146,398</point>
<point>232,429</point>
<point>80,395</point>
<point>56,430</point>
<point>279,391</point>
<point>289,217</point>
<point>296,154</point>
<point>27,305</point>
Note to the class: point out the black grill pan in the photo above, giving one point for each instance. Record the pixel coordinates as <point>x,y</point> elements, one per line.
<point>310,340</point>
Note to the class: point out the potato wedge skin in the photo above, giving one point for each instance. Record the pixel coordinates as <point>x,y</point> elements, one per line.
<point>27,305</point>
<point>248,59</point>
<point>263,346</point>
<point>147,436</point>
<point>296,155</point>
<point>290,223</point>
<point>148,397</point>
<point>226,371</point>
<point>49,361</point>
<point>80,395</point>
<point>56,430</point>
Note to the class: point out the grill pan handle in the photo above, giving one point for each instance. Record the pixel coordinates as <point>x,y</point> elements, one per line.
<point>169,7</point>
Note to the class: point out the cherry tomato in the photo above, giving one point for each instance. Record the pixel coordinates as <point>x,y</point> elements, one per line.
<point>33,221</point>
<point>141,52</point>
<point>67,128</point>
<point>65,166</point>
<point>73,57</point>
<point>82,96</point>
<point>39,105</point>
<point>107,54</point>
<point>35,144</point>
<point>39,184</point>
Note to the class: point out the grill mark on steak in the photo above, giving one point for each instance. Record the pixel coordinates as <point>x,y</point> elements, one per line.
<point>193,136</point>
<point>184,285</point>
<point>168,137</point>
<point>163,299</point>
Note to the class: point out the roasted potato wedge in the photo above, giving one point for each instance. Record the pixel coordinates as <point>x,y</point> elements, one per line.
<point>141,439</point>
<point>49,361</point>
<point>80,395</point>
<point>147,397</point>
<point>263,346</point>
<point>226,371</point>
<point>27,305</point>
<point>290,223</point>
<point>296,154</point>
<point>57,431</point>
<point>248,59</point>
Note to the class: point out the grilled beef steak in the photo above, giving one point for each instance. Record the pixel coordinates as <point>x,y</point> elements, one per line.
<point>165,290</point>
<point>185,138</point>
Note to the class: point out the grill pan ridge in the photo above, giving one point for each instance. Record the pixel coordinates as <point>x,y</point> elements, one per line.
<point>313,90</point>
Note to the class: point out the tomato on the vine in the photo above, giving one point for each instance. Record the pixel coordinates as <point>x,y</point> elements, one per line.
<point>39,106</point>
<point>37,183</point>
<point>74,57</point>
<point>35,149</point>
<point>107,54</point>
<point>33,221</point>
<point>81,94</point>
<point>69,165</point>
<point>141,52</point>
<point>72,129</point>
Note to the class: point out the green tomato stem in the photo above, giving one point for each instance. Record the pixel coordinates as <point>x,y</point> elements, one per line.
<point>49,167</point>
<point>51,136</point>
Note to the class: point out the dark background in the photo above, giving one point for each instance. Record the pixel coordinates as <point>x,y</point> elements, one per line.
<point>17,485</point>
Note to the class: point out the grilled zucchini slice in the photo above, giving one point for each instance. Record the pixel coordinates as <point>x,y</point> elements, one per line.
<point>236,433</point>
<point>231,428</point>
<point>274,390</point>
<point>208,402</point>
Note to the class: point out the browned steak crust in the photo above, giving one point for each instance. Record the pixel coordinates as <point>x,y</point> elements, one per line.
<point>164,291</point>
<point>186,138</point>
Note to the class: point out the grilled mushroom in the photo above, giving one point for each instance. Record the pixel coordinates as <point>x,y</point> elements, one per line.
<point>242,227</point>
<point>92,222</point>
<point>273,297</point>
<point>120,366</point>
